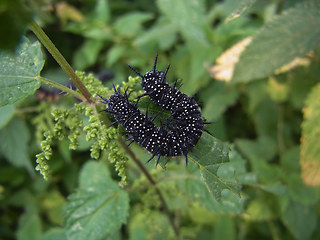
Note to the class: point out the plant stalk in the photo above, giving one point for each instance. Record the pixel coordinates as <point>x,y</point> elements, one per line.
<point>44,39</point>
<point>62,88</point>
<point>154,183</point>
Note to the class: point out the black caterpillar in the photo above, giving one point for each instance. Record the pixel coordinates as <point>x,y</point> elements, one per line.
<point>182,129</point>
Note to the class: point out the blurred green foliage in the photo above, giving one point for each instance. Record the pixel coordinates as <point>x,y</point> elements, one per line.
<point>262,183</point>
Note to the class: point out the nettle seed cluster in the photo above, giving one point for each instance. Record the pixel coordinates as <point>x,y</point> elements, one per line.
<point>182,129</point>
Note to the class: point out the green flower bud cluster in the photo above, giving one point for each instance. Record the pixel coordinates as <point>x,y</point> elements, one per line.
<point>55,123</point>
<point>68,124</point>
<point>105,139</point>
<point>59,116</point>
<point>93,84</point>
<point>146,192</point>
<point>43,121</point>
<point>131,84</point>
<point>43,157</point>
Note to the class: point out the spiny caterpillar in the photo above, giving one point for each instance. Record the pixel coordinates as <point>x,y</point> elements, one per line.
<point>182,129</point>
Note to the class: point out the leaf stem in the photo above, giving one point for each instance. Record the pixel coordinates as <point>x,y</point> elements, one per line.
<point>154,183</point>
<point>62,88</point>
<point>44,39</point>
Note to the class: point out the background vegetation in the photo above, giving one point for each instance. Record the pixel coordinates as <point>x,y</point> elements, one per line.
<point>257,178</point>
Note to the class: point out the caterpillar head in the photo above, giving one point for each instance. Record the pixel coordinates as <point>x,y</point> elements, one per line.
<point>152,78</point>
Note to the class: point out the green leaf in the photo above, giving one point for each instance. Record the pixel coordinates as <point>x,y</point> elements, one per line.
<point>98,208</point>
<point>6,113</point>
<point>218,100</point>
<point>236,167</point>
<point>55,234</point>
<point>130,24</point>
<point>263,111</point>
<point>297,190</point>
<point>300,220</point>
<point>16,18</point>
<point>96,24</point>
<point>310,147</point>
<point>258,152</point>
<point>87,54</point>
<point>16,136</point>
<point>141,227</point>
<point>291,35</point>
<point>299,89</point>
<point>263,148</point>
<point>188,16</point>
<point>225,228</point>
<point>192,189</point>
<point>102,11</point>
<point>53,203</point>
<point>115,53</point>
<point>212,154</point>
<point>258,210</point>
<point>29,227</point>
<point>19,72</point>
<point>163,33</point>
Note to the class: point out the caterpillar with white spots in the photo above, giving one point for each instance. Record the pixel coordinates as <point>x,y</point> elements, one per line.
<point>182,129</point>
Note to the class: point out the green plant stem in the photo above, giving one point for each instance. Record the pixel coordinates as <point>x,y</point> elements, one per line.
<point>44,39</point>
<point>62,88</point>
<point>154,183</point>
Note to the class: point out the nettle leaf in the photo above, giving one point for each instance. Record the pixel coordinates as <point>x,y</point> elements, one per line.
<point>291,35</point>
<point>310,147</point>
<point>130,24</point>
<point>301,220</point>
<point>20,72</point>
<point>192,187</point>
<point>98,208</point>
<point>87,54</point>
<point>16,136</point>
<point>15,17</point>
<point>6,113</point>
<point>188,16</point>
<point>218,99</point>
<point>163,33</point>
<point>29,227</point>
<point>212,154</point>
<point>55,234</point>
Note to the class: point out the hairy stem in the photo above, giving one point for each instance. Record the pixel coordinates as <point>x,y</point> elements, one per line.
<point>44,39</point>
<point>62,88</point>
<point>154,183</point>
